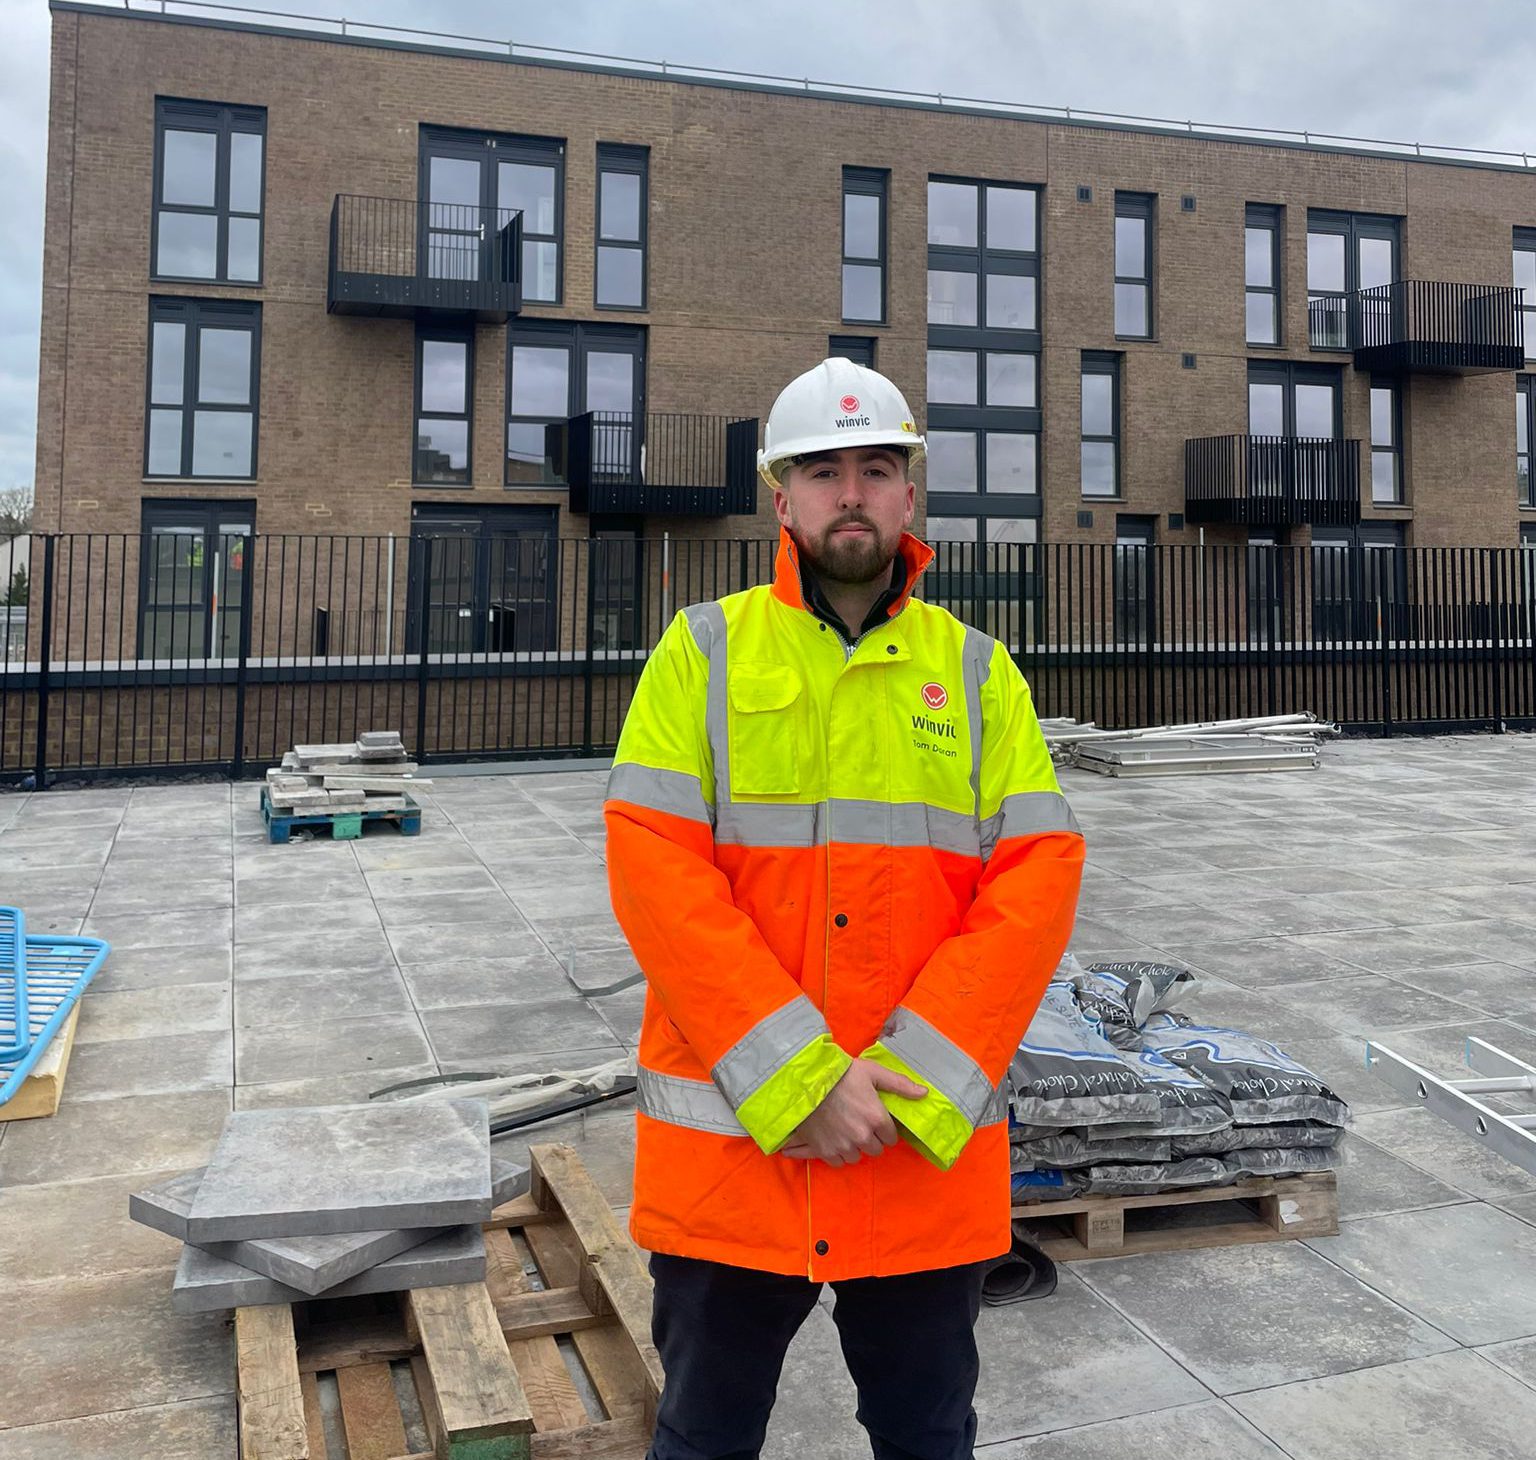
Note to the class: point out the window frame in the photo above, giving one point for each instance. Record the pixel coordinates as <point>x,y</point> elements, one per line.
<point>211,510</point>
<point>1103,362</point>
<point>444,334</point>
<point>1525,402</point>
<point>223,120</point>
<point>872,182</point>
<point>1143,207</point>
<point>1525,242</point>
<point>630,161</point>
<point>1288,374</point>
<point>1269,217</point>
<point>1352,227</point>
<point>861,349</point>
<point>1135,532</point>
<point>1393,448</point>
<point>195,315</point>
<point>986,260</point>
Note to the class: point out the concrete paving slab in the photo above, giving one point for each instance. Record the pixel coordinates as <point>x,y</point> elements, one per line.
<point>1442,1049</point>
<point>1225,1006</point>
<point>327,1089</point>
<point>142,1013</point>
<point>1499,940</point>
<point>449,907</point>
<point>280,918</point>
<point>337,1047</point>
<point>531,974</point>
<point>450,941</point>
<point>187,928</point>
<point>205,1283</point>
<point>299,953</point>
<point>583,897</point>
<point>93,1345</point>
<point>1293,915</point>
<point>1491,990</point>
<point>604,1138</point>
<point>140,968</point>
<point>196,1429</point>
<point>1385,950</point>
<point>1450,1405</point>
<point>1517,1357</point>
<point>75,1229</point>
<point>1442,1151</point>
<point>1464,1268</point>
<point>1523,1206</point>
<point>491,1031</point>
<point>1369,1005</point>
<point>351,1168</point>
<point>579,934</point>
<point>116,1068</point>
<point>340,888</point>
<point>1212,1430</point>
<point>1262,963</point>
<point>417,880</point>
<point>315,998</point>
<point>1374,1182</point>
<point>165,895</point>
<point>1248,1317</point>
<point>817,1402</point>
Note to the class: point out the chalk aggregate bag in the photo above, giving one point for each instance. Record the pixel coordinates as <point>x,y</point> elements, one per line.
<point>1123,995</point>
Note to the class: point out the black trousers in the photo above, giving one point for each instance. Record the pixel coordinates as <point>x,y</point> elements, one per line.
<point>723,1331</point>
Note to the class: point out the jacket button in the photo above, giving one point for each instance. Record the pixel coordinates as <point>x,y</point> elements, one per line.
<point>841,920</point>
<point>821,1249</point>
<point>890,648</point>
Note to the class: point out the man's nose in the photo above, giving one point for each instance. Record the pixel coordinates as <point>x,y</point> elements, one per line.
<point>850,488</point>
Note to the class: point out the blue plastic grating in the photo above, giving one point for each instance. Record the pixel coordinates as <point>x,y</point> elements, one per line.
<point>55,974</point>
<point>14,1038</point>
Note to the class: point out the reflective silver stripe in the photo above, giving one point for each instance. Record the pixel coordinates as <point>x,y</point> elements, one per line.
<point>749,824</point>
<point>976,666</point>
<point>675,792</point>
<point>693,1103</point>
<point>1026,813</point>
<point>852,822</point>
<point>997,1107</point>
<point>766,1048</point>
<point>706,621</point>
<point>947,1067</point>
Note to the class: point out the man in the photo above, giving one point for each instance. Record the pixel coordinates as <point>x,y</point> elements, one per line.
<point>838,849</point>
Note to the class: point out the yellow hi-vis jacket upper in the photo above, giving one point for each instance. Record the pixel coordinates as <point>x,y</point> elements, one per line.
<point>818,852</point>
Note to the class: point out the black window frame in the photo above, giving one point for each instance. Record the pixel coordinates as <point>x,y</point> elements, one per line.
<point>1525,242</point>
<point>1288,374</point>
<point>444,334</point>
<point>861,349</point>
<point>1392,448</point>
<point>1270,218</point>
<point>223,120</point>
<point>630,161</point>
<point>1141,206</point>
<point>1110,363</point>
<point>1134,597</point>
<point>872,182</point>
<point>986,260</point>
<point>1349,612</point>
<point>1352,227</point>
<point>170,509</point>
<point>1265,584</point>
<point>981,579</point>
<point>196,315</point>
<point>1525,403</point>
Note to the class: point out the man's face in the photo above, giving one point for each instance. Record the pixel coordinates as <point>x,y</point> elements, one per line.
<point>846,511</point>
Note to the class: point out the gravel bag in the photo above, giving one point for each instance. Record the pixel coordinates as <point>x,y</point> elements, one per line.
<point>1122,996</point>
<point>1305,1134</point>
<point>1293,1161</point>
<point>1071,1148</point>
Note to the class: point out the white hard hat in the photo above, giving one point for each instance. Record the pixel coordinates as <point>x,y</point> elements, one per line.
<point>837,404</point>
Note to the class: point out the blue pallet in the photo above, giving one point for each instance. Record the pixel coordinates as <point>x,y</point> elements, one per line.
<point>281,823</point>
<point>56,971</point>
<point>14,1039</point>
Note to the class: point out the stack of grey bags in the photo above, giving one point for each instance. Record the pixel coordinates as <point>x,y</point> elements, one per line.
<point>1114,1092</point>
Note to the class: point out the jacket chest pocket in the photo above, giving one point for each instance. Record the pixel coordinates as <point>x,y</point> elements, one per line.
<point>764,729</point>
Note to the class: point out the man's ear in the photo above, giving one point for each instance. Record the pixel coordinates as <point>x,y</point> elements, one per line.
<point>781,506</point>
<point>911,512</point>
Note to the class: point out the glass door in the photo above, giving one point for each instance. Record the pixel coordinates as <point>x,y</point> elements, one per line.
<point>454,239</point>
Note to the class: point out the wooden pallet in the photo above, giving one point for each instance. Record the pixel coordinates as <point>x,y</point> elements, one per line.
<point>39,1094</point>
<point>1261,1209</point>
<point>550,1358</point>
<point>344,825</point>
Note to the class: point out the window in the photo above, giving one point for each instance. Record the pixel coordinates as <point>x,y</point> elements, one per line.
<point>1134,214</point>
<point>864,197</point>
<point>557,370</point>
<point>204,369</point>
<point>1294,417</point>
<point>1100,425</point>
<point>192,570</point>
<point>621,226</point>
<point>444,391</point>
<point>1261,273</point>
<point>1347,252</point>
<point>983,256</point>
<point>858,348</point>
<point>1135,603</point>
<point>1525,280</point>
<point>1266,587</point>
<point>1359,582</point>
<point>1525,434</point>
<point>1386,443</point>
<point>986,573</point>
<point>209,173</point>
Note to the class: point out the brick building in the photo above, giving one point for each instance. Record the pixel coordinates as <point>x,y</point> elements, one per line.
<point>305,283</point>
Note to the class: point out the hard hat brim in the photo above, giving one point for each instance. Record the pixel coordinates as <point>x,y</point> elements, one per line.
<point>909,443</point>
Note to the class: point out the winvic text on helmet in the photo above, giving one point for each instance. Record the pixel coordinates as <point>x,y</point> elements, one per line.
<point>835,405</point>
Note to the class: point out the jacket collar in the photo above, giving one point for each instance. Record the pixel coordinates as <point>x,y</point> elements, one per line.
<point>912,559</point>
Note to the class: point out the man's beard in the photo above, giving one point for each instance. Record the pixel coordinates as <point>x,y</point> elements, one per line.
<point>851,562</point>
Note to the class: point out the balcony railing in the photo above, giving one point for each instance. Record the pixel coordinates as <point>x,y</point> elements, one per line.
<point>1423,325</point>
<point>405,257</point>
<point>1272,481</point>
<point>661,463</point>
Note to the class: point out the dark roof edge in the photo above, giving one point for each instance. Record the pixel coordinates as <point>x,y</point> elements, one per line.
<point>1386,152</point>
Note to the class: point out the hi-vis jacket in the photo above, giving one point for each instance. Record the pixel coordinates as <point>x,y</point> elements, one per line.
<point>817,852</point>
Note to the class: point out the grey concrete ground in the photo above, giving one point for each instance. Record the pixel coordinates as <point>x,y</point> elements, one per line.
<point>1392,894</point>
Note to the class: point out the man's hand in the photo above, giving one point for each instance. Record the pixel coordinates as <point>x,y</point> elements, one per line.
<point>851,1120</point>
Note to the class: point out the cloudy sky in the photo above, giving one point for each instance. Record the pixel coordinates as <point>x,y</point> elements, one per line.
<point>1459,74</point>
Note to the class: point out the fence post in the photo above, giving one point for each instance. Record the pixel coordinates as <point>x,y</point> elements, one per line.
<point>237,769</point>
<point>586,670</point>
<point>424,615</point>
<point>1386,671</point>
<point>1496,617</point>
<point>45,647</point>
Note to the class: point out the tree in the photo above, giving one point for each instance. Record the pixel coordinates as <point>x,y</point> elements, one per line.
<point>16,595</point>
<point>15,511</point>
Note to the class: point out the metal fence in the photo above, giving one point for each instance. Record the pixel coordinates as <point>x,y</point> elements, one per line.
<point>193,650</point>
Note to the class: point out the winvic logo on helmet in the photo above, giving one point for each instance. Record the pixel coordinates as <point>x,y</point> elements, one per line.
<point>849,404</point>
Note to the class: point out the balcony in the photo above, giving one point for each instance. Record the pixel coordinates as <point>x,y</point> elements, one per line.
<point>1423,326</point>
<point>1272,481</point>
<point>659,463</point>
<point>404,258</point>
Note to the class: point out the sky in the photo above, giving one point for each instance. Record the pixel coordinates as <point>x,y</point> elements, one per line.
<point>1454,72</point>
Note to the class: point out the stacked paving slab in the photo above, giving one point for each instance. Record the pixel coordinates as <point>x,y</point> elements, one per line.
<point>371,773</point>
<point>331,1202</point>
